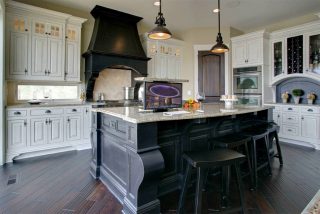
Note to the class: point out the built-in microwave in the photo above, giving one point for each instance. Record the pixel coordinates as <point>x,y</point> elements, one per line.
<point>247,80</point>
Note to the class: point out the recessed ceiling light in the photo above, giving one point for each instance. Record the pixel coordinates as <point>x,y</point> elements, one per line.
<point>156,3</point>
<point>216,10</point>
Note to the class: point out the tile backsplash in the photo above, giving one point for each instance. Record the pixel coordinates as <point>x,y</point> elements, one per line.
<point>111,82</point>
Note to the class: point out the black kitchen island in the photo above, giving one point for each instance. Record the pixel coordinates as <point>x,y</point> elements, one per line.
<point>138,155</point>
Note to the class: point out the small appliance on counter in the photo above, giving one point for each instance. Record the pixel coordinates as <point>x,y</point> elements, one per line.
<point>128,93</point>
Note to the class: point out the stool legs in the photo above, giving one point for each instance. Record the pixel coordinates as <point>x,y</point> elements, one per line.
<point>254,164</point>
<point>198,199</point>
<point>279,155</point>
<point>225,186</point>
<point>266,140</point>
<point>249,164</point>
<point>184,190</point>
<point>240,186</point>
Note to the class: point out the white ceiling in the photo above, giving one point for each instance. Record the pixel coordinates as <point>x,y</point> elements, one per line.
<point>183,14</point>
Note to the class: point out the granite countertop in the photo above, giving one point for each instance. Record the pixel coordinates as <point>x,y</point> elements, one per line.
<point>49,104</point>
<point>132,114</point>
<point>291,104</point>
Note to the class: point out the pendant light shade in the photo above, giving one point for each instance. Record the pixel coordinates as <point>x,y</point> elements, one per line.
<point>160,32</point>
<point>219,47</point>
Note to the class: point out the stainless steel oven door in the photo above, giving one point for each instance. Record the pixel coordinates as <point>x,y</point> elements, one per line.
<point>247,83</point>
<point>249,100</point>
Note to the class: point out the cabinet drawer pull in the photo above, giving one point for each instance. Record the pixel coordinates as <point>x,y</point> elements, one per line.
<point>17,113</point>
<point>290,109</point>
<point>68,120</point>
<point>289,118</point>
<point>25,123</point>
<point>310,110</point>
<point>25,71</point>
<point>26,30</point>
<point>87,110</point>
<point>48,112</point>
<point>278,115</point>
<point>113,124</point>
<point>302,118</point>
<point>46,121</point>
<point>289,130</point>
<point>74,110</point>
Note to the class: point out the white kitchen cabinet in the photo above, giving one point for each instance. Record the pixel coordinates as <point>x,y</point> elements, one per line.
<point>17,134</point>
<point>18,49</point>
<point>299,124</point>
<point>73,127</point>
<point>73,43</point>
<point>247,50</point>
<point>166,57</point>
<point>55,130</point>
<point>86,122</point>
<point>310,126</point>
<point>38,129</point>
<point>40,49</point>
<point>47,57</point>
<point>46,130</point>
<point>294,52</point>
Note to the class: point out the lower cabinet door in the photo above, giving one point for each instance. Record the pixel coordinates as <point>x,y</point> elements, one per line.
<point>73,128</point>
<point>86,123</point>
<point>39,129</point>
<point>55,130</point>
<point>310,126</point>
<point>17,134</point>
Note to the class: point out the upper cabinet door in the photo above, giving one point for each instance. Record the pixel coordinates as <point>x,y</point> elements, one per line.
<point>39,56</point>
<point>254,52</point>
<point>72,71</point>
<point>239,54</point>
<point>55,31</point>
<point>312,59</point>
<point>39,28</point>
<point>19,54</point>
<point>277,58</point>
<point>55,58</point>
<point>18,49</point>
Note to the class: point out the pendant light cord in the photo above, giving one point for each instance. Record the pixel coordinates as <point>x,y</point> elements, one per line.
<point>160,7</point>
<point>218,13</point>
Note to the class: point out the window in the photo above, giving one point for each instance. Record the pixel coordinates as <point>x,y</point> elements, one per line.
<point>28,92</point>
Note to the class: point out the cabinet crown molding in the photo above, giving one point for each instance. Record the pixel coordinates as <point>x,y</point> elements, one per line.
<point>14,7</point>
<point>260,33</point>
<point>296,30</point>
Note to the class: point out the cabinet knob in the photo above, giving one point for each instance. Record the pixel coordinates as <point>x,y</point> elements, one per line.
<point>87,110</point>
<point>68,120</point>
<point>278,115</point>
<point>49,72</point>
<point>25,71</point>
<point>25,123</point>
<point>45,71</point>
<point>46,121</point>
<point>50,121</point>
<point>26,30</point>
<point>302,118</point>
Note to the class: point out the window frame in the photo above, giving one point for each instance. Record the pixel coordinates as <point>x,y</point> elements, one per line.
<point>79,86</point>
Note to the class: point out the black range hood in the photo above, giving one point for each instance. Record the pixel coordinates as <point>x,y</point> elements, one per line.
<point>115,43</point>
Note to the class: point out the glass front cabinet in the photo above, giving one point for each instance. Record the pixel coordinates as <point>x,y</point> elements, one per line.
<point>277,51</point>
<point>312,63</point>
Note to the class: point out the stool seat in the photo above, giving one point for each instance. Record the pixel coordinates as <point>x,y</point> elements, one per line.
<point>201,161</point>
<point>218,157</point>
<point>231,141</point>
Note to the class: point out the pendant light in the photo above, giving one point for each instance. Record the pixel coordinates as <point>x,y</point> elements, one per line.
<point>160,32</point>
<point>219,47</point>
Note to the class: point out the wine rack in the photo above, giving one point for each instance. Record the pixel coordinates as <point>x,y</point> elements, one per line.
<point>295,54</point>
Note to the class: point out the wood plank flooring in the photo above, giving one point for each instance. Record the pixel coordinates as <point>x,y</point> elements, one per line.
<point>62,184</point>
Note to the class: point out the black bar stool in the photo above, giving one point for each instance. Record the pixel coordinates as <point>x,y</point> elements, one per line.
<point>255,135</point>
<point>273,129</point>
<point>203,160</point>
<point>235,141</point>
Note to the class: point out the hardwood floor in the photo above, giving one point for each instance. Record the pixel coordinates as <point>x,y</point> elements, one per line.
<point>62,184</point>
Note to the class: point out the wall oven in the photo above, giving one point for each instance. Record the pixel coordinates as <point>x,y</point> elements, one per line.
<point>247,80</point>
<point>249,100</point>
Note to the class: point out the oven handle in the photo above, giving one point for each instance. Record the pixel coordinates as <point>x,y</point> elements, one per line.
<point>247,74</point>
